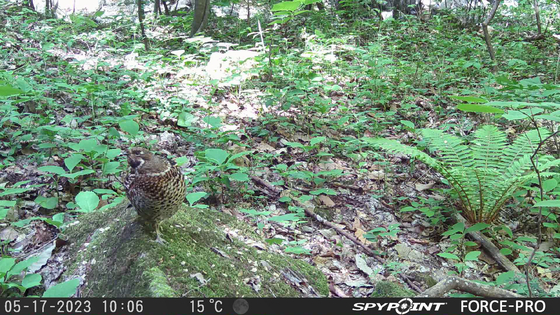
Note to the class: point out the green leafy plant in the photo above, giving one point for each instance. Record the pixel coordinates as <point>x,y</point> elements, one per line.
<point>483,175</point>
<point>287,10</point>
<point>431,208</point>
<point>391,231</point>
<point>9,270</point>
<point>217,167</point>
<point>459,243</point>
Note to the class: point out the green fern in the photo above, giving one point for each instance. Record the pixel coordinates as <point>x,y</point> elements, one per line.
<point>484,174</point>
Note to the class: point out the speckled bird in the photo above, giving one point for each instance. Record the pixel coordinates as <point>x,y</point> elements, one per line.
<point>155,187</point>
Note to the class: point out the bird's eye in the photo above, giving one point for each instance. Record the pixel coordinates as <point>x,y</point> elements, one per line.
<point>135,163</point>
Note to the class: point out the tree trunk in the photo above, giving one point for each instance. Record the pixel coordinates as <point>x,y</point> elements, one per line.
<point>537,15</point>
<point>487,35</point>
<point>201,12</point>
<point>140,4</point>
<point>165,8</point>
<point>157,8</point>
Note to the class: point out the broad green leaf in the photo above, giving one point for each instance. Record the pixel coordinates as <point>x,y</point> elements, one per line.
<point>181,160</point>
<point>506,251</point>
<point>505,277</point>
<point>111,167</point>
<point>295,145</point>
<point>72,161</point>
<point>52,169</point>
<point>477,227</point>
<point>515,115</point>
<point>62,290</point>
<point>6,264</point>
<point>472,255</point>
<point>548,203</point>
<point>31,280</point>
<point>507,229</point>
<point>470,99</point>
<point>79,173</point>
<point>87,201</point>
<point>448,256</point>
<point>476,108</point>
<point>513,104</point>
<point>213,121</point>
<point>22,265</point>
<point>548,117</point>
<point>277,241</point>
<point>13,191</point>
<point>407,209</point>
<point>286,217</point>
<point>316,140</point>
<point>550,184</point>
<point>59,217</point>
<point>6,90</point>
<point>185,119</point>
<point>286,6</point>
<point>240,177</point>
<point>101,191</point>
<point>24,222</point>
<point>301,12</point>
<point>217,156</point>
<point>527,239</point>
<point>7,203</point>
<point>47,203</point>
<point>113,153</point>
<point>85,145</point>
<point>326,191</point>
<point>298,250</point>
<point>192,198</point>
<point>408,124</point>
<point>130,126</point>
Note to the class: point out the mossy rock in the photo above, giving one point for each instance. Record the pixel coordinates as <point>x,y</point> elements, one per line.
<point>207,255</point>
<point>391,289</point>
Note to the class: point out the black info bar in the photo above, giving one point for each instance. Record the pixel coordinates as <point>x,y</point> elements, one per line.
<point>279,306</point>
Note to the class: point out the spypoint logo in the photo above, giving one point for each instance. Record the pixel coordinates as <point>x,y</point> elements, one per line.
<point>404,306</point>
<point>401,307</point>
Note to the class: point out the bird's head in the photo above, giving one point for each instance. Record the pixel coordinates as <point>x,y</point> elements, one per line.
<point>143,161</point>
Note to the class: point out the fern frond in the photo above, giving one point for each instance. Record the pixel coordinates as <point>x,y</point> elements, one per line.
<point>488,147</point>
<point>451,149</point>
<point>394,146</point>
<point>524,144</point>
<point>547,163</point>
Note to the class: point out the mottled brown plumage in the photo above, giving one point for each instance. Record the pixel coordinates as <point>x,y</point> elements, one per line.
<point>155,187</point>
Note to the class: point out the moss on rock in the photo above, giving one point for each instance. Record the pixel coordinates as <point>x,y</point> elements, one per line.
<point>208,253</point>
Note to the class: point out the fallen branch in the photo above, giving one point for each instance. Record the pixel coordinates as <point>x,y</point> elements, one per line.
<point>489,247</point>
<point>464,285</point>
<point>333,226</point>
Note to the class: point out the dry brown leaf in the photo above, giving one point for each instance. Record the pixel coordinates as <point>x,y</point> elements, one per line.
<point>265,147</point>
<point>356,224</point>
<point>326,201</point>
<point>422,187</point>
<point>360,235</point>
<point>376,175</point>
